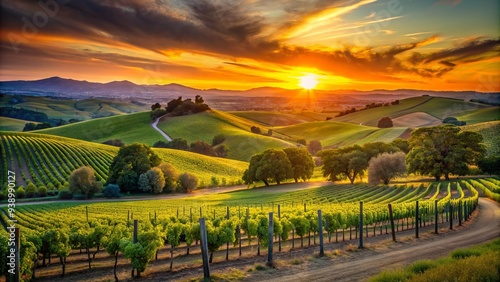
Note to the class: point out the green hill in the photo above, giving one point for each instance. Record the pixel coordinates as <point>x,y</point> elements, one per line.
<point>491,134</point>
<point>68,109</point>
<point>50,159</point>
<point>129,128</point>
<point>281,118</point>
<point>480,115</point>
<point>434,106</point>
<point>337,134</point>
<point>242,143</point>
<point>12,124</point>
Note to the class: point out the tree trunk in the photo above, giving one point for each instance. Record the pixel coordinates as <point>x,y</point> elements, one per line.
<point>114,267</point>
<point>44,256</point>
<point>211,257</point>
<point>296,180</point>
<point>258,246</point>
<point>88,257</point>
<point>35,264</point>
<point>63,263</point>
<point>98,247</point>
<point>187,252</point>
<point>49,258</point>
<point>278,182</point>
<point>265,182</point>
<point>301,241</point>
<point>447,176</point>
<point>171,258</point>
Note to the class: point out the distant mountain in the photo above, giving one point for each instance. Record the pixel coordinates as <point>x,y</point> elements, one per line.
<point>76,89</point>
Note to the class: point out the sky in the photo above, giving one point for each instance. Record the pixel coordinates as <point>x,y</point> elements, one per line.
<point>243,44</point>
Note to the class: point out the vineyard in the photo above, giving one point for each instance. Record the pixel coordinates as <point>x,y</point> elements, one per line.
<point>238,220</point>
<point>49,160</point>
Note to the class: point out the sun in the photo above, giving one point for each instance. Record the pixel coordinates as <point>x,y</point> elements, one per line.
<point>308,81</point>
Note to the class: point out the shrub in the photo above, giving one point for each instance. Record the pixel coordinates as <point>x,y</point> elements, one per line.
<point>385,122</point>
<point>464,253</point>
<point>30,190</point>
<point>82,181</point>
<point>111,191</point>
<point>218,139</point>
<point>42,191</point>
<point>422,266</point>
<point>65,195</point>
<point>187,182</point>
<point>20,193</point>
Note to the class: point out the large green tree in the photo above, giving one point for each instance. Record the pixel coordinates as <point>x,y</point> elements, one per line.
<point>83,181</point>
<point>130,162</point>
<point>302,163</point>
<point>385,167</point>
<point>271,165</point>
<point>443,150</point>
<point>339,164</point>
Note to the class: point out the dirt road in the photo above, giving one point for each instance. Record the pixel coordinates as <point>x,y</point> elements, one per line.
<point>485,227</point>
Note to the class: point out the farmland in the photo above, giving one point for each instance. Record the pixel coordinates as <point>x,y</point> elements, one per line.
<point>45,159</point>
<point>339,204</point>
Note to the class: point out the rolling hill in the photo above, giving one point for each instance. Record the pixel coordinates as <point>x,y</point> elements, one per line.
<point>47,159</point>
<point>430,109</point>
<point>281,118</point>
<point>128,128</point>
<point>241,142</point>
<point>12,124</point>
<point>491,134</point>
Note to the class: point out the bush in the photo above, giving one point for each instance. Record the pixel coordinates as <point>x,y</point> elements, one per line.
<point>65,195</point>
<point>79,196</point>
<point>218,139</point>
<point>385,122</point>
<point>111,191</point>
<point>422,266</point>
<point>30,190</point>
<point>42,191</point>
<point>187,182</point>
<point>20,193</point>
<point>464,253</point>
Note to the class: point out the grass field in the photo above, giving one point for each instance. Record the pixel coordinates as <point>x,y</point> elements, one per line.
<point>241,142</point>
<point>68,109</point>
<point>481,115</point>
<point>434,106</point>
<point>129,128</point>
<point>12,124</point>
<point>50,158</point>
<point>336,134</point>
<point>491,134</point>
<point>281,118</point>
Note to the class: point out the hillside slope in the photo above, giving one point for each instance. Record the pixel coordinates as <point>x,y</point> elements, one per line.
<point>435,107</point>
<point>491,134</point>
<point>46,159</point>
<point>242,143</point>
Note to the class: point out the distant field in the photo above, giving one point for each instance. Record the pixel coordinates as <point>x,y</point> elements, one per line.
<point>281,118</point>
<point>68,109</point>
<point>416,119</point>
<point>339,134</point>
<point>129,128</point>
<point>12,124</point>
<point>241,142</point>
<point>439,108</point>
<point>481,115</point>
<point>50,159</point>
<point>491,134</point>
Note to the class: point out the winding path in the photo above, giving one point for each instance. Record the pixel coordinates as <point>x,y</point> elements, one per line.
<point>484,228</point>
<point>155,126</point>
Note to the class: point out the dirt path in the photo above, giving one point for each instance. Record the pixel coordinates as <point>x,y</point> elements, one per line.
<point>155,126</point>
<point>485,227</point>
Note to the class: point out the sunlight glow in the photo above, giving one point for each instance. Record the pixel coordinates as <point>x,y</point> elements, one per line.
<point>308,81</point>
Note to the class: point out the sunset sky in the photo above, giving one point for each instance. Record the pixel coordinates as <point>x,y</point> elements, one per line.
<point>242,44</point>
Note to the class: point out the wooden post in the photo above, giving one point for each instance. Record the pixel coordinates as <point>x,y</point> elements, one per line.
<point>305,207</point>
<point>279,237</point>
<point>128,216</point>
<point>87,212</point>
<point>191,215</point>
<point>417,219</point>
<point>460,213</point>
<point>436,217</point>
<point>227,243</point>
<point>451,216</point>
<point>320,229</point>
<point>201,213</point>
<point>360,225</point>
<point>204,250</point>
<point>135,231</point>
<point>270,241</point>
<point>391,217</point>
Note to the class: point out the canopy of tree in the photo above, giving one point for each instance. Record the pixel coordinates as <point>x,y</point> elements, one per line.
<point>443,150</point>
<point>385,122</point>
<point>385,167</point>
<point>179,107</point>
<point>83,181</point>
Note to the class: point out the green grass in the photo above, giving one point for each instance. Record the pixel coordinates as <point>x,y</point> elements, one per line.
<point>491,134</point>
<point>100,156</point>
<point>434,106</point>
<point>281,118</point>
<point>480,115</point>
<point>68,109</point>
<point>478,263</point>
<point>12,124</point>
<point>129,128</point>
<point>241,142</point>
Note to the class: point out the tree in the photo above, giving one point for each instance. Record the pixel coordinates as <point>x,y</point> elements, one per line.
<point>221,151</point>
<point>443,150</point>
<point>385,167</point>
<point>314,147</point>
<point>302,142</point>
<point>170,175</point>
<point>119,235</point>
<point>111,191</point>
<point>30,190</point>
<point>142,252</point>
<point>83,181</point>
<point>375,148</point>
<point>187,182</point>
<point>156,179</point>
<point>161,144</point>
<point>272,165</point>
<point>385,122</point>
<point>218,139</point>
<point>173,104</point>
<point>130,162</point>
<point>144,183</point>
<point>401,144</point>
<point>344,163</point>
<point>198,100</point>
<point>302,163</point>
<point>178,144</point>
<point>201,147</point>
<point>256,130</point>
<point>155,106</point>
<point>490,165</point>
